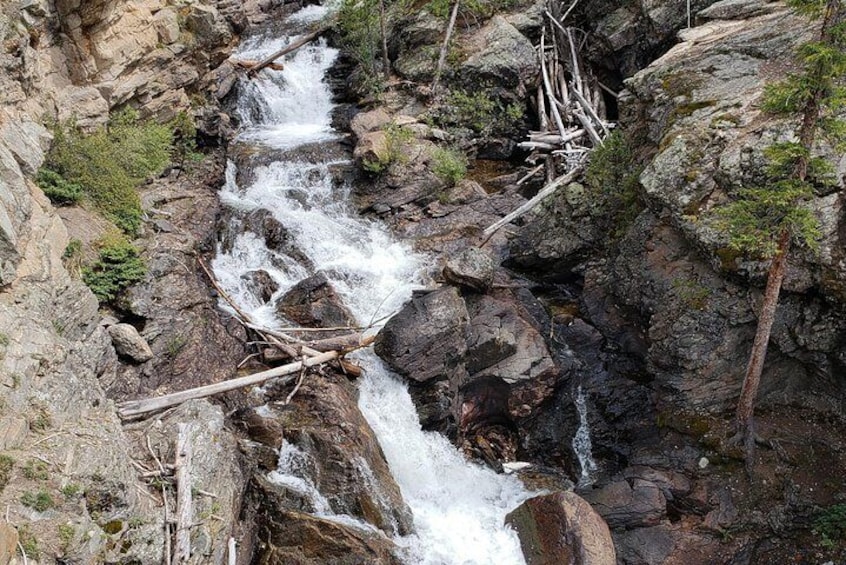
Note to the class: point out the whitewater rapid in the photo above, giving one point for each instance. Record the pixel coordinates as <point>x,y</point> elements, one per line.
<point>459,508</point>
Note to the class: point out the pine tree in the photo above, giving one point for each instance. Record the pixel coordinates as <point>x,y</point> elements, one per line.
<point>765,221</point>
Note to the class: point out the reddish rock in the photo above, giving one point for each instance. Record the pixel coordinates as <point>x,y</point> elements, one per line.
<point>562,529</point>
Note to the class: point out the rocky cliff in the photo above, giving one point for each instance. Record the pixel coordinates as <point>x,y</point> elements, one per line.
<point>69,479</point>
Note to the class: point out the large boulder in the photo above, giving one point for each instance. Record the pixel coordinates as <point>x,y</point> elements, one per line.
<point>562,528</point>
<point>129,343</point>
<point>625,505</point>
<point>500,56</point>
<point>427,339</point>
<point>329,459</point>
<point>313,302</point>
<point>471,268</point>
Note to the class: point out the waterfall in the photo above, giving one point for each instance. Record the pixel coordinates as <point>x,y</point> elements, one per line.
<point>458,507</point>
<point>581,441</point>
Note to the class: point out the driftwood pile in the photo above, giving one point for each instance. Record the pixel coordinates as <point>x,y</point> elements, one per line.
<point>571,110</point>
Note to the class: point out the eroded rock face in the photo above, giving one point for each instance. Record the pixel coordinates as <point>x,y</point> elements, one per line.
<point>331,445</point>
<point>562,528</point>
<point>501,56</point>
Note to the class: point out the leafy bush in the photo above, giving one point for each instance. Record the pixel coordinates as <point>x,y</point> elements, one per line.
<point>479,111</point>
<point>358,22</point>
<point>118,266</point>
<point>613,178</point>
<point>470,9</point>
<point>450,165</point>
<point>830,524</point>
<point>110,163</point>
<point>57,189</point>
<point>395,138</point>
<point>39,501</point>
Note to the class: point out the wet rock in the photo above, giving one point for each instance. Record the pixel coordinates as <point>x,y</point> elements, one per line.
<point>294,537</point>
<point>665,544</point>
<point>562,528</point>
<point>331,444</point>
<point>472,268</point>
<point>129,343</point>
<point>502,343</point>
<point>672,484</point>
<point>314,303</point>
<point>261,284</point>
<point>426,340</point>
<point>625,505</point>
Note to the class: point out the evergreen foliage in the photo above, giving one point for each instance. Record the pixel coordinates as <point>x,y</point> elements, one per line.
<point>613,179</point>
<point>107,165</point>
<point>755,221</point>
<point>449,165</point>
<point>118,266</point>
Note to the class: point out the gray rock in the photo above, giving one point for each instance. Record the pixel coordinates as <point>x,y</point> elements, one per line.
<point>502,343</point>
<point>261,284</point>
<point>210,28</point>
<point>427,339</point>
<point>562,528</point>
<point>314,303</point>
<point>507,59</point>
<point>625,505</point>
<point>129,343</point>
<point>472,268</point>
<point>736,9</point>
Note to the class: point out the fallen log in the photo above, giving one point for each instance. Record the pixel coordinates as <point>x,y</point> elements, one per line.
<point>537,199</point>
<point>250,63</point>
<point>132,408</point>
<point>184,510</point>
<point>308,38</point>
<point>273,355</point>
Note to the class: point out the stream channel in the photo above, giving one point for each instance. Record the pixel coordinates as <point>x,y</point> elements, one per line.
<point>459,507</point>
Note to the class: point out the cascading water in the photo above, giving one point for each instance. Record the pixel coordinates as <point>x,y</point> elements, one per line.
<point>459,508</point>
<point>581,441</point>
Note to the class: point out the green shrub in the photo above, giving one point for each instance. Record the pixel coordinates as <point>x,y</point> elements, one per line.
<point>613,180</point>
<point>36,470</point>
<point>6,466</point>
<point>830,524</point>
<point>118,266</point>
<point>395,138</point>
<point>358,23</point>
<point>480,111</point>
<point>39,501</point>
<point>470,9</point>
<point>28,541</point>
<point>450,165</point>
<point>57,189</point>
<point>110,163</point>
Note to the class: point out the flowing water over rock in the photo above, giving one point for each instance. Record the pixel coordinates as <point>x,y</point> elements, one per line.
<point>459,508</point>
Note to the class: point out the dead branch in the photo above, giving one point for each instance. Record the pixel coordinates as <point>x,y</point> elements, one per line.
<point>184,509</point>
<point>250,63</point>
<point>445,45</point>
<point>538,198</point>
<point>287,49</point>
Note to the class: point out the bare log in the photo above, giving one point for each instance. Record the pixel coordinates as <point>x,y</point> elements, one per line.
<point>132,408</point>
<point>232,554</point>
<point>445,45</point>
<point>250,63</point>
<point>548,88</point>
<point>184,510</point>
<point>537,199</point>
<point>590,111</point>
<point>308,38</point>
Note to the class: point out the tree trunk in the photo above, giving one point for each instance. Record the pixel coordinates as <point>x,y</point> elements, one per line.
<point>386,63</point>
<point>752,380</point>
